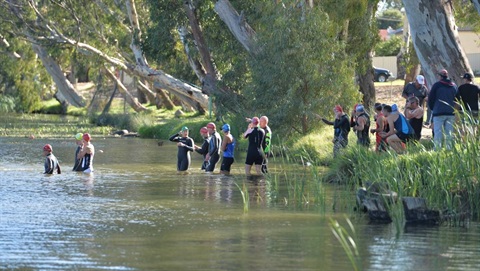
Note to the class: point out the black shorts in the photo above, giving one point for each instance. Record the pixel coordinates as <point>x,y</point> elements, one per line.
<point>254,159</point>
<point>405,137</point>
<point>226,163</point>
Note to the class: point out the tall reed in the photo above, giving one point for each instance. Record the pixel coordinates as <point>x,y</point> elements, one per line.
<point>347,240</point>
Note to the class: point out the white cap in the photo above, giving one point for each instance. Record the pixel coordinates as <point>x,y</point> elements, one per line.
<point>420,79</point>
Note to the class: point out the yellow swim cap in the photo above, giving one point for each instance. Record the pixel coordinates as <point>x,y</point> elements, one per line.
<point>79,136</point>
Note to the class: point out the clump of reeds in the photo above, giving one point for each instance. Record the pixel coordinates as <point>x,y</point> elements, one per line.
<point>245,196</point>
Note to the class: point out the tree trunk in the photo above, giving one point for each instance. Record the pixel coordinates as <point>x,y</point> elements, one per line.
<point>194,64</point>
<point>66,89</point>
<point>162,97</point>
<point>237,25</point>
<point>138,107</point>
<point>435,37</point>
<point>365,82</point>
<point>476,3</point>
<point>146,91</point>
<point>402,56</point>
<point>199,39</point>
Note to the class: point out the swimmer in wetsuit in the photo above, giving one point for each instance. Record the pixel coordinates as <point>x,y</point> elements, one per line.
<point>213,155</point>
<point>256,147</point>
<point>203,150</point>
<point>185,146</point>
<point>77,166</point>
<point>85,155</point>
<point>228,148</point>
<point>51,162</point>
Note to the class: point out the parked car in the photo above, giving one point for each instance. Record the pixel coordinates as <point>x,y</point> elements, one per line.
<point>381,75</point>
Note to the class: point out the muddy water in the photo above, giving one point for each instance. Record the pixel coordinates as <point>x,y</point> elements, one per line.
<point>136,213</point>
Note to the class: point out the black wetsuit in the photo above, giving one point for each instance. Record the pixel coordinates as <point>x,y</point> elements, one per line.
<point>183,156</point>
<point>363,136</point>
<point>256,145</point>
<point>77,166</point>
<point>214,151</point>
<point>51,164</point>
<point>417,125</point>
<point>341,128</point>
<point>267,150</point>
<point>203,151</point>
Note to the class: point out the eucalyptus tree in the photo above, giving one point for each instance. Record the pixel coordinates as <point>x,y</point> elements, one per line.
<point>435,38</point>
<point>467,14</point>
<point>301,67</point>
<point>476,3</point>
<point>20,80</point>
<point>100,30</point>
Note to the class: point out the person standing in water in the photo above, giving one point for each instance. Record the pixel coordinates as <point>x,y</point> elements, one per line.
<point>185,146</point>
<point>268,142</point>
<point>51,163</point>
<point>228,148</point>
<point>86,154</point>
<point>203,150</point>
<point>214,145</point>
<point>77,166</point>
<point>256,147</point>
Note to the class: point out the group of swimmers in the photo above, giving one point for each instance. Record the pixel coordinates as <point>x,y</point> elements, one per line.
<point>83,156</point>
<point>259,143</point>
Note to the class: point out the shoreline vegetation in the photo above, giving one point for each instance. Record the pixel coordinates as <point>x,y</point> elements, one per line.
<point>448,180</point>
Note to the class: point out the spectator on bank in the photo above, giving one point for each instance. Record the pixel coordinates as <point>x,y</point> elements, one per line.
<point>400,130</point>
<point>380,126</point>
<point>467,96</point>
<point>361,125</point>
<point>441,101</point>
<point>341,126</point>
<point>414,114</point>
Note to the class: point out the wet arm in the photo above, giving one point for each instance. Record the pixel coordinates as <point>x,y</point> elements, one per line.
<point>204,148</point>
<point>174,138</point>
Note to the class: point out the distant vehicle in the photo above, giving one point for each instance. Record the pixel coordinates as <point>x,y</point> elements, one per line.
<point>381,75</point>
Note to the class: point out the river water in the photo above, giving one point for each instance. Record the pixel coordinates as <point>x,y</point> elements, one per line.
<point>136,213</point>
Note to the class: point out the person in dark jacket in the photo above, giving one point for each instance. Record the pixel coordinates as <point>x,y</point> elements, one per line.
<point>441,101</point>
<point>468,95</point>
<point>341,126</point>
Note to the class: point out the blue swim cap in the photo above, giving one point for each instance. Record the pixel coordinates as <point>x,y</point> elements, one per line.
<point>226,128</point>
<point>394,108</point>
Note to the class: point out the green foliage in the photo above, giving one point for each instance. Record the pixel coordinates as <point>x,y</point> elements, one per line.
<point>466,15</point>
<point>390,18</point>
<point>302,68</point>
<point>7,104</point>
<point>390,47</point>
<point>130,122</point>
